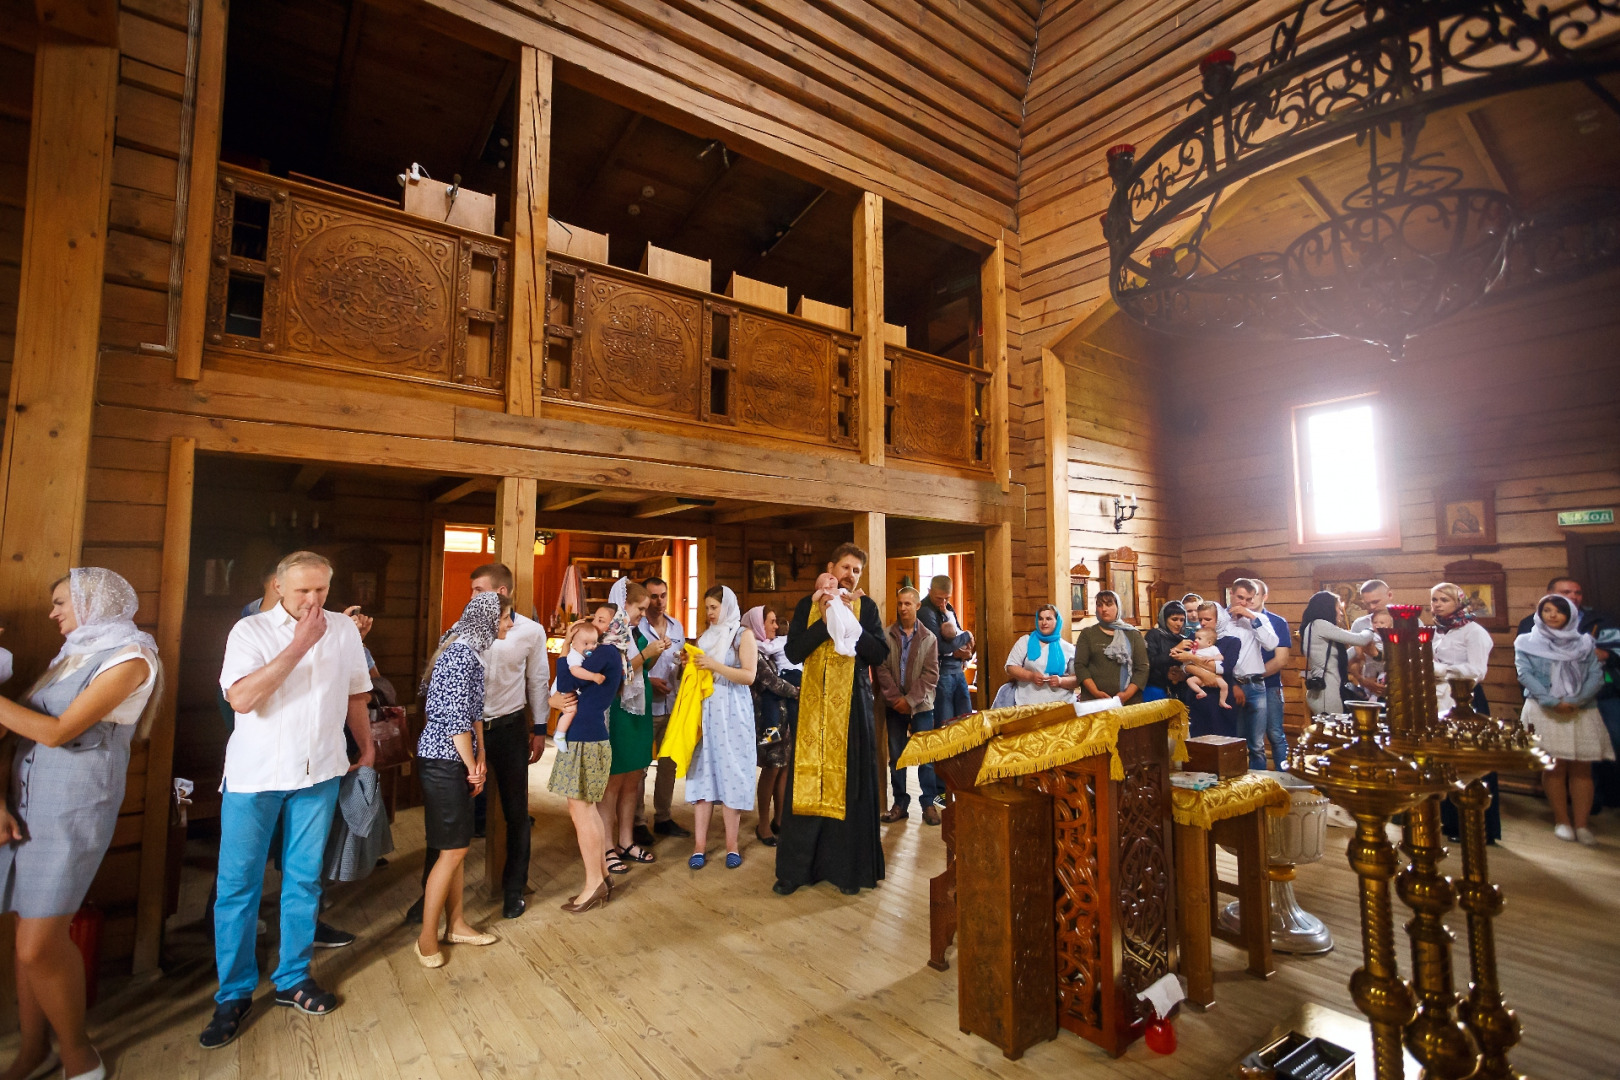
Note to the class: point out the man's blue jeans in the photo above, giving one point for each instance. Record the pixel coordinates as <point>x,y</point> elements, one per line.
<point>1274,727</point>
<point>1250,720</point>
<point>901,726</point>
<point>951,695</point>
<point>246,822</point>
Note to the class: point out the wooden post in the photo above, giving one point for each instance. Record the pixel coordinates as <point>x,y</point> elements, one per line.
<point>45,459</point>
<point>1055,436</point>
<point>706,580</point>
<point>200,183</point>
<point>868,323</point>
<point>531,179</point>
<point>871,533</point>
<point>515,499</point>
<point>993,304</point>
<point>149,911</point>
<point>997,608</point>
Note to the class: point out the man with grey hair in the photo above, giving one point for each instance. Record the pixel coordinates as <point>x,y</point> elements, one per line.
<point>907,681</point>
<point>955,646</point>
<point>295,675</point>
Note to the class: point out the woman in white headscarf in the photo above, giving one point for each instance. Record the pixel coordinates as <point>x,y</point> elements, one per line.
<point>1561,675</point>
<point>67,753</point>
<point>722,770</point>
<point>451,768</point>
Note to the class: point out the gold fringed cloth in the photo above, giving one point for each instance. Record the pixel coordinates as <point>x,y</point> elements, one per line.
<point>976,729</point>
<point>1228,799</point>
<point>1082,737</point>
<point>821,745</point>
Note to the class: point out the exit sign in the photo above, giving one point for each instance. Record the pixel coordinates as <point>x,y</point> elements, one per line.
<point>1586,517</point>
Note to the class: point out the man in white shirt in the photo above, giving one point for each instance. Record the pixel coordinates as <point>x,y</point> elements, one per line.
<point>294,675</point>
<point>517,682</point>
<point>1255,634</point>
<point>1375,597</point>
<point>665,674</point>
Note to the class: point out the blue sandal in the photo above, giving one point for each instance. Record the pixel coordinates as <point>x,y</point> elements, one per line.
<point>733,860</point>
<point>696,862</point>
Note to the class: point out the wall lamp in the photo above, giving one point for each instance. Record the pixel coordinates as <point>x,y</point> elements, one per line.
<point>1124,510</point>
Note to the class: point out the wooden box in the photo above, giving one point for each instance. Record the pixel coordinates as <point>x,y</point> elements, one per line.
<point>1223,755</point>
<point>566,239</point>
<point>1007,961</point>
<point>469,209</point>
<point>826,314</point>
<point>759,293</point>
<point>677,269</point>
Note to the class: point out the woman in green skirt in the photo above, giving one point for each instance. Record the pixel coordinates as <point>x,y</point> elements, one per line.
<point>630,729</point>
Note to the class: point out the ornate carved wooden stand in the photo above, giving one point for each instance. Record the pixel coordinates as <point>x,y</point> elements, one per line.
<point>1114,881</point>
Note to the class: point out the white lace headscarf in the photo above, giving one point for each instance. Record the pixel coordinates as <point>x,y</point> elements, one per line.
<point>104,605</point>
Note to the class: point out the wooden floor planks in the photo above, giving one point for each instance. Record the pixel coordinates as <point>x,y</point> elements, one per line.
<point>688,975</point>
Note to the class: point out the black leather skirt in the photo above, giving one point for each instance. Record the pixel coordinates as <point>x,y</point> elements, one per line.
<point>447,803</point>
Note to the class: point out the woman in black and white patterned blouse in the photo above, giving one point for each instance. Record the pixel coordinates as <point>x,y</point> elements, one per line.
<point>450,764</point>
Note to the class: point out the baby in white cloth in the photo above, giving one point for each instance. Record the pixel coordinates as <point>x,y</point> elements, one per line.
<point>842,623</point>
<point>1208,668</point>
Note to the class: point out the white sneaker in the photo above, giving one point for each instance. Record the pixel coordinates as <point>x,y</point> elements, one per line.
<point>1585,836</point>
<point>1564,832</point>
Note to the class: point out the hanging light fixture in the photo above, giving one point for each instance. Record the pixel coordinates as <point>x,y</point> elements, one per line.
<point>1409,247</point>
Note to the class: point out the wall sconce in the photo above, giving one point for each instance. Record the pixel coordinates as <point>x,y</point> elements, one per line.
<point>799,555</point>
<point>1124,510</point>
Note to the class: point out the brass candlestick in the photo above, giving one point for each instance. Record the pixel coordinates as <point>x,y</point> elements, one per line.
<point>1373,784</point>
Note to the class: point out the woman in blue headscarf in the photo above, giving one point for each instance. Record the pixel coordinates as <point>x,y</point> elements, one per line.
<point>1041,664</point>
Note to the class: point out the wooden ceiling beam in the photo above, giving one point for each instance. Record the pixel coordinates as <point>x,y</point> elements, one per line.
<point>667,504</point>
<point>1489,160</point>
<point>465,488</point>
<point>492,113</point>
<point>308,476</point>
<point>564,497</point>
<point>593,190</point>
<point>701,200</point>
<point>753,513</point>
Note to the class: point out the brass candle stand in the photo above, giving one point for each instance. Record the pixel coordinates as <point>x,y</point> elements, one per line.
<point>1406,760</point>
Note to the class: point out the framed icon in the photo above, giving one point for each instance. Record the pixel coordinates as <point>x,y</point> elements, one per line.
<point>1464,519</point>
<point>762,575</point>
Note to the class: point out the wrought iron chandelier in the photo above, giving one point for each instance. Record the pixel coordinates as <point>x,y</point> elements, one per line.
<point>1412,245</point>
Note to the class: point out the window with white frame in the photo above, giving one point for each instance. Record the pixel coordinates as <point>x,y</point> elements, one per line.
<point>1343,498</point>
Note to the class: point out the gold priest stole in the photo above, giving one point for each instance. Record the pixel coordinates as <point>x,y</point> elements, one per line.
<point>821,747</point>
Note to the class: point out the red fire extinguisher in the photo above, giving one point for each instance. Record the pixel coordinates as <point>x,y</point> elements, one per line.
<point>85,930</point>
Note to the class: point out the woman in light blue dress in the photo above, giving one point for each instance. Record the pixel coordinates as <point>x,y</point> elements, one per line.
<point>722,770</point>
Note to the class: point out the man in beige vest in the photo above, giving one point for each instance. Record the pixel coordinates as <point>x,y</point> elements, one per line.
<point>907,680</point>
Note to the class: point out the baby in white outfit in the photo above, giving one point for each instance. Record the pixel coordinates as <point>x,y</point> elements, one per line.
<point>842,623</point>
<point>1208,668</point>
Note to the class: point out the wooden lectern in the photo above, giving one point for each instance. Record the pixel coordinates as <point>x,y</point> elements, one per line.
<point>1108,868</point>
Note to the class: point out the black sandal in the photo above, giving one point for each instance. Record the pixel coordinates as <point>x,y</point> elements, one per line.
<point>308,998</point>
<point>615,863</point>
<point>226,1024</point>
<point>637,854</point>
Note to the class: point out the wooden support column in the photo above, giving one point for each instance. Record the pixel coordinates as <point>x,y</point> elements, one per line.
<point>1055,439</point>
<point>515,499</point>
<point>868,323</point>
<point>872,533</point>
<point>531,178</point>
<point>998,607</point>
<point>46,454</point>
<point>993,305</point>
<point>706,580</point>
<point>200,183</point>
<point>149,910</point>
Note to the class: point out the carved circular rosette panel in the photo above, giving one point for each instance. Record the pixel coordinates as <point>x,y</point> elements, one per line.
<point>642,348</point>
<point>783,376</point>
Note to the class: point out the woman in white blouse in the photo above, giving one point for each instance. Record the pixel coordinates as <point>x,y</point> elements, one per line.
<point>65,782</point>
<point>1038,674</point>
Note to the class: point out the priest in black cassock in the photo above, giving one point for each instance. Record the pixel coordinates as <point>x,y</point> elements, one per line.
<point>830,830</point>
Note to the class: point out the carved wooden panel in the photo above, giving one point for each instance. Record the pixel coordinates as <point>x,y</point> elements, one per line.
<point>935,406</point>
<point>1082,892</point>
<point>317,277</point>
<point>783,375</point>
<point>1144,883</point>
<point>641,347</point>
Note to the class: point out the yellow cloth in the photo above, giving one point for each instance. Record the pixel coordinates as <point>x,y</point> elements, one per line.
<point>976,729</point>
<point>685,726</point>
<point>1081,737</point>
<point>821,745</point>
<point>1228,799</point>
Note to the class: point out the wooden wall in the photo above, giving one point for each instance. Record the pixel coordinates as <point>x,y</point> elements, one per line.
<point>16,110</point>
<point>1521,396</point>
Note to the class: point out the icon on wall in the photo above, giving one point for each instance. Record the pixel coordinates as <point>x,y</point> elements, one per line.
<point>762,576</point>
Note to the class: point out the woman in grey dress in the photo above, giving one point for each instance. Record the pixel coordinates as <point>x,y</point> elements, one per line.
<point>63,760</point>
<point>722,770</point>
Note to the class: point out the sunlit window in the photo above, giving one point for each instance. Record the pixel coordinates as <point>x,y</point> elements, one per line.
<point>468,541</point>
<point>930,567</point>
<point>1342,494</point>
<point>693,593</point>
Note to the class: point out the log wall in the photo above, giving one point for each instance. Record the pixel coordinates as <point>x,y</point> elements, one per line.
<point>1520,397</point>
<point>16,110</point>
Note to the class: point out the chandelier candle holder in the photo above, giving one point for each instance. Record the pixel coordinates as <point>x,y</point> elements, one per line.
<point>1413,244</point>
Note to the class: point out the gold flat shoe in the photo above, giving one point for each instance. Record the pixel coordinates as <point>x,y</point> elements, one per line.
<point>471,939</point>
<point>434,961</point>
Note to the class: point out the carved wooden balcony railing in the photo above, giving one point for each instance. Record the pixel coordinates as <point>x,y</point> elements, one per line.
<point>629,344</point>
<point>935,410</point>
<point>339,281</point>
